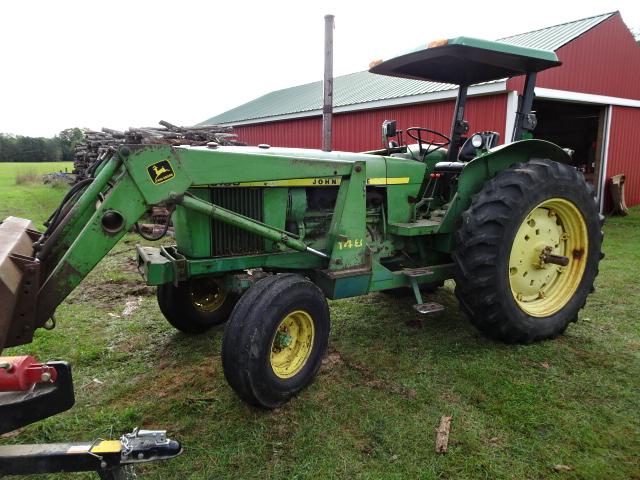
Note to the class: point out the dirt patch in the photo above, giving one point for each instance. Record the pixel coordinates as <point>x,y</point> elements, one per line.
<point>330,361</point>
<point>131,305</point>
<point>168,381</point>
<point>142,291</point>
<point>335,359</point>
<point>110,293</point>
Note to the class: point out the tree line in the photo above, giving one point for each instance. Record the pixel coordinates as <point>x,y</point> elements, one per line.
<point>60,148</point>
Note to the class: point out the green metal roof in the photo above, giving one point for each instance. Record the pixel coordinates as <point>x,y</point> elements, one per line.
<point>364,87</point>
<point>552,38</point>
<point>349,89</point>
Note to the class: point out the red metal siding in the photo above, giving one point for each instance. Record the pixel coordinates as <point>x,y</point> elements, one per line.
<point>624,150</point>
<point>359,131</point>
<point>603,61</point>
<point>300,133</point>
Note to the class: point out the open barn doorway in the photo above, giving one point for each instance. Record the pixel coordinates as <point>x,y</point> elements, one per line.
<point>577,126</point>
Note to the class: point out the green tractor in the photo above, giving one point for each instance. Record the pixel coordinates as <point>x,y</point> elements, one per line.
<point>264,235</point>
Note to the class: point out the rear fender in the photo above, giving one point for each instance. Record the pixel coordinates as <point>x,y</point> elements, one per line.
<point>480,169</point>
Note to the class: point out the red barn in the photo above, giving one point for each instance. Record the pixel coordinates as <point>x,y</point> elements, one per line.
<point>590,104</point>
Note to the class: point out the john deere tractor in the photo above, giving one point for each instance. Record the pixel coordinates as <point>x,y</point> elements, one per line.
<point>264,235</point>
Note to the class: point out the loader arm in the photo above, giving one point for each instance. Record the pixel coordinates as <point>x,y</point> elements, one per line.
<point>96,216</point>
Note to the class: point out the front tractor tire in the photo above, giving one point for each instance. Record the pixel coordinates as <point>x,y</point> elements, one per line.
<point>527,252</point>
<point>275,339</point>
<point>196,305</point>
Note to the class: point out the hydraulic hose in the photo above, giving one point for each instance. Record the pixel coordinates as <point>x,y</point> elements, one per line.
<point>150,238</point>
<point>54,219</point>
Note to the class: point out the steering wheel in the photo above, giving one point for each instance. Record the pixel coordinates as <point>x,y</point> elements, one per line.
<point>416,134</point>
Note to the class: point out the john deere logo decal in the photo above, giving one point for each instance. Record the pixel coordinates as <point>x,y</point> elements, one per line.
<point>160,172</point>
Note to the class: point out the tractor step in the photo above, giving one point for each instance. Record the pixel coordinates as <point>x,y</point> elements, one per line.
<point>412,229</point>
<point>428,308</point>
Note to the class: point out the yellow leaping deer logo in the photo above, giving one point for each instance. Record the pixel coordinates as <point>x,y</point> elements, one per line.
<point>160,172</point>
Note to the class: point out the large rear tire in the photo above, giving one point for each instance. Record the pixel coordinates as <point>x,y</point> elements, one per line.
<point>196,305</point>
<point>523,223</point>
<point>275,339</point>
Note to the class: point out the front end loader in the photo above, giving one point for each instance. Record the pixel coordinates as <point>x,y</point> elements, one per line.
<point>264,235</point>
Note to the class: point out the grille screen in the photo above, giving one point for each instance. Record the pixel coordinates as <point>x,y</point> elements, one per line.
<point>228,240</point>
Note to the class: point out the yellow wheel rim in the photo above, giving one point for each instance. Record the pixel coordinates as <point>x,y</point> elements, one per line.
<point>207,295</point>
<point>555,229</point>
<point>292,344</point>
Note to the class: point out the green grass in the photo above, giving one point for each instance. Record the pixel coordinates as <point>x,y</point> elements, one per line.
<point>372,412</point>
<point>29,200</point>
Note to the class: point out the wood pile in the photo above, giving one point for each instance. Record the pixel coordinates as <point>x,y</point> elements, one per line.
<point>97,143</point>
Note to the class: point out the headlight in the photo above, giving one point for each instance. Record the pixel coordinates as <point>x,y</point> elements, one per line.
<point>477,141</point>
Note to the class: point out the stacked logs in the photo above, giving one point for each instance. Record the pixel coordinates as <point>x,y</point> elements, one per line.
<point>94,145</point>
<point>97,143</point>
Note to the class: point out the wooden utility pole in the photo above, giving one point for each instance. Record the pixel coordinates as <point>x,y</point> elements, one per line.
<point>327,104</point>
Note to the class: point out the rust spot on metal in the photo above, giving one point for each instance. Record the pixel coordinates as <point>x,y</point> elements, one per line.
<point>578,253</point>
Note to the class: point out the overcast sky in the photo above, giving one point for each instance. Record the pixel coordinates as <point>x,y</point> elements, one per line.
<point>132,63</point>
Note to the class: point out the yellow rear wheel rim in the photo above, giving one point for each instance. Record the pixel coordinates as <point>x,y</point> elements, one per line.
<point>541,289</point>
<point>207,295</point>
<point>292,344</point>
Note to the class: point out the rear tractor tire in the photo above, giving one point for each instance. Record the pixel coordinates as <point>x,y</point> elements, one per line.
<point>275,339</point>
<point>196,305</point>
<point>528,251</point>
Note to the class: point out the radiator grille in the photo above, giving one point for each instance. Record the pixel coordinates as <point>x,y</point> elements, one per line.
<point>228,240</point>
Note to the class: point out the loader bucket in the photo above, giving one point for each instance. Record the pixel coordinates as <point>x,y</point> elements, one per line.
<point>18,281</point>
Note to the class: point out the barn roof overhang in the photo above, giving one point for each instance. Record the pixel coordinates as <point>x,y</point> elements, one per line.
<point>578,97</point>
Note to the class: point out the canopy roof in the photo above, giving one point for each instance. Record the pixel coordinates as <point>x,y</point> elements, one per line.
<point>465,61</point>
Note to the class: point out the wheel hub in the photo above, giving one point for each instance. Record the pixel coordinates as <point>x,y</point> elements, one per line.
<point>292,344</point>
<point>547,257</point>
<point>283,340</point>
<point>207,294</point>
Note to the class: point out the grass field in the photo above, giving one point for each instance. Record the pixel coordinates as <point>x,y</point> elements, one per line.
<point>390,375</point>
<point>32,200</point>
